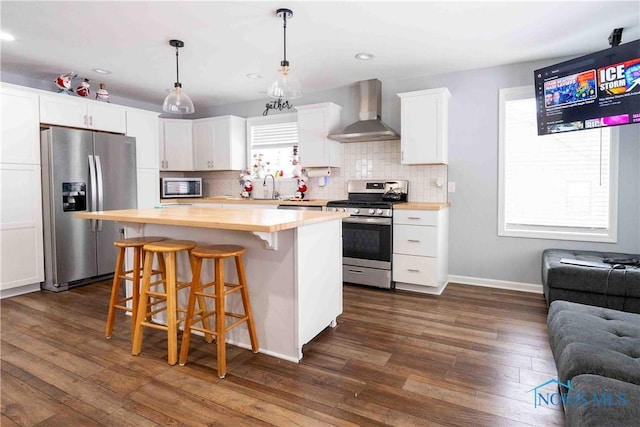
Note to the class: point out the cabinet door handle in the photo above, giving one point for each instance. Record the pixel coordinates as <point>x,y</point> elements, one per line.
<point>413,241</point>
<point>90,120</point>
<point>86,121</point>
<point>413,270</point>
<point>414,217</point>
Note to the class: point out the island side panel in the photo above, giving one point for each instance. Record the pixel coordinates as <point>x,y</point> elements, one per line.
<point>270,279</point>
<point>319,269</point>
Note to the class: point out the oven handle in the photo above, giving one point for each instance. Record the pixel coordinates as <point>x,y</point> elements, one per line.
<point>367,220</point>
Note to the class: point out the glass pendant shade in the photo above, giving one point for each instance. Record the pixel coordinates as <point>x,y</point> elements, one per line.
<point>285,85</point>
<point>178,102</point>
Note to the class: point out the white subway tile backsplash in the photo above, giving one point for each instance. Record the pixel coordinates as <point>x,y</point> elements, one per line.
<point>361,160</point>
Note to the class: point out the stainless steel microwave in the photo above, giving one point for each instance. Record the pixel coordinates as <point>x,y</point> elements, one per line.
<point>171,188</point>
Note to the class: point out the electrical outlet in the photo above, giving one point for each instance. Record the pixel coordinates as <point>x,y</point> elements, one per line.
<point>452,187</point>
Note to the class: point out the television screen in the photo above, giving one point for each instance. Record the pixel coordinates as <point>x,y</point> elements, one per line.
<point>600,89</point>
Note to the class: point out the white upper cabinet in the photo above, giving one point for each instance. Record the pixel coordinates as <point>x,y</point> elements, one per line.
<point>219,143</point>
<point>65,110</point>
<point>143,126</point>
<point>424,119</point>
<point>20,126</point>
<point>315,122</point>
<point>176,146</point>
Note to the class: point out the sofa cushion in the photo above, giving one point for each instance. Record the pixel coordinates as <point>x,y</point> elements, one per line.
<point>623,409</point>
<point>619,282</point>
<point>594,340</point>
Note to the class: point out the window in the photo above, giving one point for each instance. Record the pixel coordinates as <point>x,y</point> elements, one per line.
<point>273,143</point>
<point>558,186</point>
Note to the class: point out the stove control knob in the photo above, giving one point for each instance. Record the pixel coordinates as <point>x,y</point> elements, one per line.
<point>356,211</point>
<point>379,212</point>
<point>334,209</point>
<point>372,211</point>
<point>344,209</point>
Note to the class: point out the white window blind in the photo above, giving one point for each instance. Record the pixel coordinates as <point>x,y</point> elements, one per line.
<point>271,144</point>
<point>558,186</point>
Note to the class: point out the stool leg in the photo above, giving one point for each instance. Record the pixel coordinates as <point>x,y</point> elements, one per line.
<point>136,345</point>
<point>135,287</point>
<point>172,317</point>
<point>115,290</point>
<point>220,323</point>
<point>242,280</point>
<point>196,266</point>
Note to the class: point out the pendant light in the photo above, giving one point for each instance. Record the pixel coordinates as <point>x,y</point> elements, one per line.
<point>177,101</point>
<point>285,85</point>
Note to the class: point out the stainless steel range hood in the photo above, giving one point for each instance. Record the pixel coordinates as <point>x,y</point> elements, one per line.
<point>370,127</point>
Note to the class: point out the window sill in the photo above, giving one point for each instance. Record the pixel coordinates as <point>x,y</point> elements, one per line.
<point>581,236</point>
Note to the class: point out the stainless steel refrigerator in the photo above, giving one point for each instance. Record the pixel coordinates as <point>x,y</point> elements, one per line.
<point>83,171</point>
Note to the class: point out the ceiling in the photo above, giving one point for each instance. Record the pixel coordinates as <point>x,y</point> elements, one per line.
<point>226,40</point>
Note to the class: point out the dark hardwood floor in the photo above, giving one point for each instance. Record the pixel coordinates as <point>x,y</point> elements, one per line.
<point>467,357</point>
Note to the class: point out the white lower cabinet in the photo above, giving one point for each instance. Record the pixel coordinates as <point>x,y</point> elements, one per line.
<point>420,250</point>
<point>21,241</point>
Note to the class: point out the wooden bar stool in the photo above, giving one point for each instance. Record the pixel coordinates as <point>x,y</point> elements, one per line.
<point>153,300</point>
<point>120,276</point>
<point>218,253</point>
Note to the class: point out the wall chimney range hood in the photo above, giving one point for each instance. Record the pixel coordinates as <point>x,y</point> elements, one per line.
<point>370,127</point>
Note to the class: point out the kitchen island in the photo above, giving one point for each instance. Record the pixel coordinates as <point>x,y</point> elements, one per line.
<point>293,263</point>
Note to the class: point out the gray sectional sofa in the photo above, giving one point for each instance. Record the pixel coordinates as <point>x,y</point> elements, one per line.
<point>598,283</point>
<point>597,354</point>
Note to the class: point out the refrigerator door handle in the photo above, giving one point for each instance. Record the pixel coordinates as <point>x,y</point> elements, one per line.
<point>100,189</point>
<point>92,181</point>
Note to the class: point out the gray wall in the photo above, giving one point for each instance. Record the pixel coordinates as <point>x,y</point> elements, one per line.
<point>475,249</point>
<point>18,79</point>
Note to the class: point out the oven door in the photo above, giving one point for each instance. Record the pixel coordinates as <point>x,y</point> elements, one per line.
<point>366,242</point>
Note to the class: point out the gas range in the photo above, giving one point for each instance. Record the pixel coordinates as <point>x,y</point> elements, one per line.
<point>380,209</point>
<point>367,234</point>
<point>371,198</point>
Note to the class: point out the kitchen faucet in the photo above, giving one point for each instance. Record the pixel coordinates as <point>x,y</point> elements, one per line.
<point>274,193</point>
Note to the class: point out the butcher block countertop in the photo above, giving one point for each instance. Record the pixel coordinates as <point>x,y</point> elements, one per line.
<point>426,206</point>
<point>256,220</point>
<point>238,200</point>
<point>420,206</point>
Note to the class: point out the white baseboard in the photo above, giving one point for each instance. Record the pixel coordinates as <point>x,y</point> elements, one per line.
<point>20,290</point>
<point>500,284</point>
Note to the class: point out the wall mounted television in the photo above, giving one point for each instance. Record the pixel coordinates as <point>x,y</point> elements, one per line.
<point>595,90</point>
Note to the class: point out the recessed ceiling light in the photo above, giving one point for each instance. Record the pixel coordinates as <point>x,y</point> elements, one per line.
<point>6,37</point>
<point>101,71</point>
<point>365,56</point>
<point>254,76</point>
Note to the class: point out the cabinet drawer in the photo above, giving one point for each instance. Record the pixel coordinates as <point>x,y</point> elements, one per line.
<point>415,217</point>
<point>415,269</point>
<point>415,240</point>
